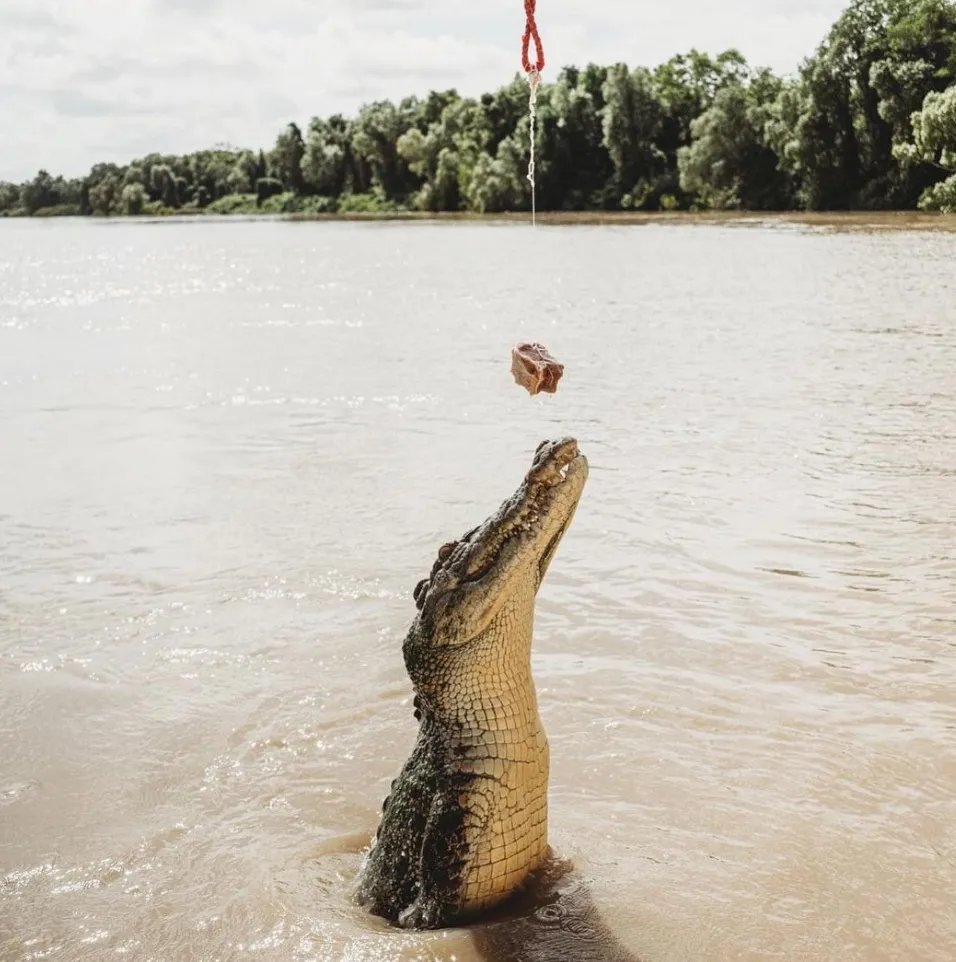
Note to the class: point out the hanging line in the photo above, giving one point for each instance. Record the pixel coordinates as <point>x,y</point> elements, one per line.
<point>533,70</point>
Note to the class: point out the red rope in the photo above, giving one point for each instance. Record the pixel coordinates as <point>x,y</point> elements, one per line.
<point>531,33</point>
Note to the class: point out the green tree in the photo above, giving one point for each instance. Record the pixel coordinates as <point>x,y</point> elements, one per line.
<point>94,201</point>
<point>633,116</point>
<point>687,85</point>
<point>39,193</point>
<point>9,197</point>
<point>855,97</point>
<point>501,112</point>
<point>442,153</point>
<point>498,184</point>
<point>286,159</point>
<point>730,163</point>
<point>934,145</point>
<point>327,159</point>
<point>132,199</point>
<point>574,166</point>
<point>696,130</point>
<point>375,136</point>
<point>164,186</point>
<point>134,175</point>
<point>242,176</point>
<point>104,196</point>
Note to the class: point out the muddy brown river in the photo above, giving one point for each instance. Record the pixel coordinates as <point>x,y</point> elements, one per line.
<point>228,452</point>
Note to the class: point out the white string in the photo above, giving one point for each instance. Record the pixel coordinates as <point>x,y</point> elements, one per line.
<point>534,78</point>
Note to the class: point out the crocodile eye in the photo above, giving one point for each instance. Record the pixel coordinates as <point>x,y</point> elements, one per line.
<point>445,551</point>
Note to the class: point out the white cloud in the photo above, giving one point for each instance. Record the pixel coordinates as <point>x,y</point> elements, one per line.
<point>83,81</point>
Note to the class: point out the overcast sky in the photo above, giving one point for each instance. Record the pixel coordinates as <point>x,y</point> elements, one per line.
<point>83,81</point>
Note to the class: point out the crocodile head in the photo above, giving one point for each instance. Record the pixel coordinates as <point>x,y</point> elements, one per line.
<point>502,563</point>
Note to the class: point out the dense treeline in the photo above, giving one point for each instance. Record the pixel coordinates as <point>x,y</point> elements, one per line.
<point>869,122</point>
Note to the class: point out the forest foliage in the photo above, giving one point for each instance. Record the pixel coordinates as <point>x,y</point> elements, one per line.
<point>868,122</point>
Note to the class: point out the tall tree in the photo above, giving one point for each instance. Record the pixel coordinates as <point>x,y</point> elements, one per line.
<point>375,136</point>
<point>286,158</point>
<point>633,116</point>
<point>934,145</point>
<point>880,59</point>
<point>730,163</point>
<point>328,163</point>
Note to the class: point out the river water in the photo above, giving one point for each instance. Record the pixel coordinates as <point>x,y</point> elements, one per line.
<point>231,449</point>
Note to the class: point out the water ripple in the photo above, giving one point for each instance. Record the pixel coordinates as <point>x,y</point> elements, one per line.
<point>239,447</point>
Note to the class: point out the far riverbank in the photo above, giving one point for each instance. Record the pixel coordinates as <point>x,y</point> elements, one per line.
<point>832,220</point>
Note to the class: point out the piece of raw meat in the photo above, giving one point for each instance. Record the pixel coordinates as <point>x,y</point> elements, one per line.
<point>535,369</point>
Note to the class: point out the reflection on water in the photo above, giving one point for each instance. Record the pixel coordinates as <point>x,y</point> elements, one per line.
<point>555,919</point>
<point>232,451</point>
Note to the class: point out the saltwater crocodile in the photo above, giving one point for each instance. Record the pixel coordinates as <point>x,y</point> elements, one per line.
<point>466,822</point>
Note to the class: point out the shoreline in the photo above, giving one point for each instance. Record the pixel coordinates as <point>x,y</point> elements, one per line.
<point>887,220</point>
<point>831,220</point>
